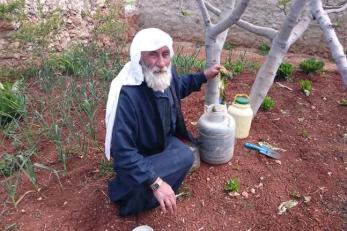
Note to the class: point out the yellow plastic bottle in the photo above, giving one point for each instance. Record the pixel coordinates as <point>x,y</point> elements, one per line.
<point>242,112</point>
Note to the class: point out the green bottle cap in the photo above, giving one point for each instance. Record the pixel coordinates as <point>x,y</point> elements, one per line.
<point>242,100</point>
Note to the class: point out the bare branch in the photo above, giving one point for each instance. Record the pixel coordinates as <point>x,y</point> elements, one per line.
<point>336,9</point>
<point>212,8</point>
<point>258,30</point>
<point>233,17</point>
<point>204,12</point>
<point>302,25</point>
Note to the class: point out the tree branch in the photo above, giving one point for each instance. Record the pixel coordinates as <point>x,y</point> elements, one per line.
<point>204,13</point>
<point>258,30</point>
<point>302,25</point>
<point>228,21</point>
<point>336,9</point>
<point>331,38</point>
<point>212,8</point>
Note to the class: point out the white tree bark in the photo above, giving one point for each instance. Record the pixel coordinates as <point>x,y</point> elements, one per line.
<point>330,36</point>
<point>215,36</point>
<point>278,50</point>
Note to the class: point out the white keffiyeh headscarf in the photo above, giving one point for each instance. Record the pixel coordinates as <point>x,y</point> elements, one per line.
<point>149,39</point>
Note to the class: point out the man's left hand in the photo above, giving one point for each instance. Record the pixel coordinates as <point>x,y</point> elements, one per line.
<point>212,71</point>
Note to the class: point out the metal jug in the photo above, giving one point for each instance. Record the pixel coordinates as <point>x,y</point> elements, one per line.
<point>216,135</point>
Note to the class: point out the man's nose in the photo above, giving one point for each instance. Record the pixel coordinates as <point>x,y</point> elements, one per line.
<point>161,62</point>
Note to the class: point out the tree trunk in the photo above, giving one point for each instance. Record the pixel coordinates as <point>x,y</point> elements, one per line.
<point>330,37</point>
<point>279,48</point>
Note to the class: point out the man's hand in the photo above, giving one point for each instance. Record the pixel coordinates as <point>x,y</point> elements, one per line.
<point>212,72</point>
<point>165,196</point>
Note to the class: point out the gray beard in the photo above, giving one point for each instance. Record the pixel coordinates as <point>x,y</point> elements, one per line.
<point>156,78</point>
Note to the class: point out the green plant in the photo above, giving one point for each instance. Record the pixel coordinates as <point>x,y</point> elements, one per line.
<point>106,168</point>
<point>311,65</point>
<point>295,194</point>
<point>187,63</point>
<point>12,102</point>
<point>12,10</point>
<point>224,77</point>
<point>306,86</point>
<point>39,34</point>
<point>268,103</point>
<point>232,185</point>
<point>285,71</point>
<point>228,46</point>
<point>263,48</point>
<point>283,5</point>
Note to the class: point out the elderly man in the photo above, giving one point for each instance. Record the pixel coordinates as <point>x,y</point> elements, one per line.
<point>145,126</point>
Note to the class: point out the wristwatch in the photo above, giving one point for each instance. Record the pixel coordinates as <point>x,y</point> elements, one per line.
<point>155,186</point>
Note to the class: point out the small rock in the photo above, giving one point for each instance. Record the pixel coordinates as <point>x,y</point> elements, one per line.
<point>39,199</point>
<point>307,199</point>
<point>262,178</point>
<point>65,202</point>
<point>324,98</point>
<point>313,107</point>
<point>23,210</point>
<point>234,194</point>
<point>208,179</point>
<point>330,173</point>
<point>278,162</point>
<point>259,185</point>
<point>252,190</point>
<point>245,194</point>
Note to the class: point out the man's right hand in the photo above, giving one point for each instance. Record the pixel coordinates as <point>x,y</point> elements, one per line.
<point>165,196</point>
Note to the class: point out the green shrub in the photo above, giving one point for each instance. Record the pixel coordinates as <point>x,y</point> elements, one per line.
<point>228,46</point>
<point>11,10</point>
<point>263,49</point>
<point>285,71</point>
<point>232,185</point>
<point>268,103</point>
<point>12,102</point>
<point>306,86</point>
<point>311,65</point>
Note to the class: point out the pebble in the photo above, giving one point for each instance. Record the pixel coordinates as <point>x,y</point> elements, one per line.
<point>278,162</point>
<point>208,179</point>
<point>262,178</point>
<point>39,199</point>
<point>259,185</point>
<point>234,194</point>
<point>245,194</point>
<point>23,210</point>
<point>330,173</point>
<point>252,190</point>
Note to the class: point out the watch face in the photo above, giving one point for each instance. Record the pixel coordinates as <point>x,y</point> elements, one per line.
<point>155,186</point>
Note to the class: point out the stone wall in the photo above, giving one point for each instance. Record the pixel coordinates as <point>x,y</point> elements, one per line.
<point>182,19</point>
<point>76,15</point>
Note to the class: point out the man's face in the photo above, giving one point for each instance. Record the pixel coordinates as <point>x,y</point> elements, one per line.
<point>159,58</point>
<point>156,68</point>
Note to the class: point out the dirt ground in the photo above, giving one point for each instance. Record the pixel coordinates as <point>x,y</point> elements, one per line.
<point>313,169</point>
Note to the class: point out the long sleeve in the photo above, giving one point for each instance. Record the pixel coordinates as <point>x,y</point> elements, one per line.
<point>129,164</point>
<point>190,83</point>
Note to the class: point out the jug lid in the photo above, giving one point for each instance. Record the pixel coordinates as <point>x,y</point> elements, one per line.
<point>242,100</point>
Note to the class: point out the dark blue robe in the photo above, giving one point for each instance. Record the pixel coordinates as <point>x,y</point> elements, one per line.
<point>138,132</point>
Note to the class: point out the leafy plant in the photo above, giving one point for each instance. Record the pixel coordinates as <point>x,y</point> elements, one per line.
<point>311,65</point>
<point>12,102</point>
<point>228,46</point>
<point>106,168</point>
<point>306,86</point>
<point>224,77</point>
<point>232,185</point>
<point>268,103</point>
<point>263,48</point>
<point>11,10</point>
<point>187,63</point>
<point>285,71</point>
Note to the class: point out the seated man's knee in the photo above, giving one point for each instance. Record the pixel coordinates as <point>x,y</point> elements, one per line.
<point>186,157</point>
